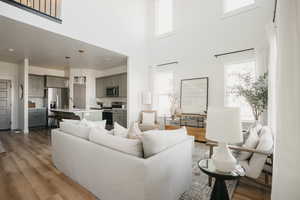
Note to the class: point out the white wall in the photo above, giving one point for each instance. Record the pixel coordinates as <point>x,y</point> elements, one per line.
<point>201,32</point>
<point>117,25</point>
<point>10,71</point>
<point>23,103</point>
<point>286,178</point>
<point>111,71</point>
<point>46,71</point>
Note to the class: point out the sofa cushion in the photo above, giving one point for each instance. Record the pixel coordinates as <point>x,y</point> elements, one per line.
<point>120,131</point>
<point>251,143</point>
<point>134,131</point>
<point>157,141</point>
<point>124,145</point>
<point>74,129</point>
<point>93,124</point>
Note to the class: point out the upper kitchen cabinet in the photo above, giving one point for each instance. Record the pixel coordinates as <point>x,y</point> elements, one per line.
<point>119,80</point>
<point>100,92</point>
<point>36,86</point>
<point>57,82</point>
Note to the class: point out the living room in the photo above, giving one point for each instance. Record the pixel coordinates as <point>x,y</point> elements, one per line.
<point>198,75</point>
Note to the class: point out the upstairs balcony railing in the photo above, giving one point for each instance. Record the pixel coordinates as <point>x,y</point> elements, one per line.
<point>50,9</point>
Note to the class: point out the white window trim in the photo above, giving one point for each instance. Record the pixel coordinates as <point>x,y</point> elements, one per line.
<point>238,11</point>
<point>165,35</point>
<point>225,80</point>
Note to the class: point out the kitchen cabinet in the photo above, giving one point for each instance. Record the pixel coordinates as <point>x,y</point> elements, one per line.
<point>56,82</point>
<point>120,116</point>
<point>36,86</point>
<point>37,117</point>
<point>100,91</point>
<point>119,80</point>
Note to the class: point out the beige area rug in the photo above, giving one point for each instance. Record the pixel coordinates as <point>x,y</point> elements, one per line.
<point>200,189</point>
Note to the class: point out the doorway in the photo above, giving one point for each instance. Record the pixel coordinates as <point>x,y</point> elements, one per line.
<point>5,104</point>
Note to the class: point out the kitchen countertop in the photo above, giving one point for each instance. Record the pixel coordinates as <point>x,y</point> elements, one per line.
<point>74,110</point>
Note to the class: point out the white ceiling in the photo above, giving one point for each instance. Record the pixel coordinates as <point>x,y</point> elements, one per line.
<point>47,49</point>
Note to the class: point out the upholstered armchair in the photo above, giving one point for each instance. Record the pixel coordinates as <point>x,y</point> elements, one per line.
<point>148,120</point>
<point>261,159</point>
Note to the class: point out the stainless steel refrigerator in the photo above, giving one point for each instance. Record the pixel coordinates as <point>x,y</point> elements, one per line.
<point>57,98</point>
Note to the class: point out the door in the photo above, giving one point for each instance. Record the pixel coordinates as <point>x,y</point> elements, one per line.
<point>5,105</point>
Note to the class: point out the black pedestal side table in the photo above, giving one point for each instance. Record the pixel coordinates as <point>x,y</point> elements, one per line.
<point>220,191</point>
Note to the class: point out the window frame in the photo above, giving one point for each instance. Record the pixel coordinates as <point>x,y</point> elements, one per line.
<point>156,21</point>
<point>239,61</point>
<point>237,11</point>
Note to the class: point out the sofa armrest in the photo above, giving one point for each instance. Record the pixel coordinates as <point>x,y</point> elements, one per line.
<point>169,173</point>
<point>238,148</point>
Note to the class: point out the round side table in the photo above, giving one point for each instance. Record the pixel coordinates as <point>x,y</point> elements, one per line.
<point>220,191</point>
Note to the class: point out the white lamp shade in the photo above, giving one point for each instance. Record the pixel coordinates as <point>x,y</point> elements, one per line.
<point>224,125</point>
<point>146,98</point>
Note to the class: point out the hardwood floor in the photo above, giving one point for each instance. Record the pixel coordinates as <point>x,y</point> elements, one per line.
<point>27,173</point>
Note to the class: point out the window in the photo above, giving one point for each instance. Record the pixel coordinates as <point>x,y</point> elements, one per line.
<point>163,88</point>
<point>234,5</point>
<point>164,17</point>
<point>233,72</point>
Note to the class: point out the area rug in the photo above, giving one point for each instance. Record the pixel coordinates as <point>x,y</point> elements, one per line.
<point>200,189</point>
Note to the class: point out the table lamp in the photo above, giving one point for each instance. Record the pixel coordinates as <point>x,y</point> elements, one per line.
<point>224,126</point>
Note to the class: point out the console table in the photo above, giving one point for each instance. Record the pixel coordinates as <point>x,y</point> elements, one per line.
<point>195,125</point>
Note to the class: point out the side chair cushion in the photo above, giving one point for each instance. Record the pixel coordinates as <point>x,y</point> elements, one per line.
<point>257,162</point>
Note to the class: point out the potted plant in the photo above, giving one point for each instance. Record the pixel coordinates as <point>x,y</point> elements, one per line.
<point>255,93</point>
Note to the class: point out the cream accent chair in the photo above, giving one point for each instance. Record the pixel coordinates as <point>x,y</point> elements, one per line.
<point>262,158</point>
<point>147,127</point>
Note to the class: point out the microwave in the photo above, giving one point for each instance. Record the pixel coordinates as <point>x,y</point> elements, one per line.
<point>112,91</point>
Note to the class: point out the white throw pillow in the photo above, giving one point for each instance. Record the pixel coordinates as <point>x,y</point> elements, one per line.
<point>134,131</point>
<point>157,141</point>
<point>93,124</point>
<point>251,142</point>
<point>120,131</point>
<point>71,121</point>
<point>75,129</point>
<point>148,118</point>
<point>124,145</point>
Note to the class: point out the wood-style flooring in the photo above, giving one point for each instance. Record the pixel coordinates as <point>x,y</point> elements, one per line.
<point>27,173</point>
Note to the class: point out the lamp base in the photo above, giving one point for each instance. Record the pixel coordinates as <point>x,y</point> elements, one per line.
<point>223,159</point>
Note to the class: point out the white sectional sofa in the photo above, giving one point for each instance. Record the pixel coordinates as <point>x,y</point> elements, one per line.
<point>113,175</point>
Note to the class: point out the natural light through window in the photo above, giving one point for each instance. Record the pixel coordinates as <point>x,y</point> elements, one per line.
<point>233,73</point>
<point>163,88</point>
<point>232,5</point>
<point>164,17</point>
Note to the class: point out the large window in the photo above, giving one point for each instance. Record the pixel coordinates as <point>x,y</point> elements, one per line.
<point>164,17</point>
<point>233,74</point>
<point>162,89</point>
<point>234,5</point>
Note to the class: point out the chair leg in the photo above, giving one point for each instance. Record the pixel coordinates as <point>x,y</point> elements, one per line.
<point>209,181</point>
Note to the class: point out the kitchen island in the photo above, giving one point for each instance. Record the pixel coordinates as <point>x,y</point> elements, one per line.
<point>91,115</point>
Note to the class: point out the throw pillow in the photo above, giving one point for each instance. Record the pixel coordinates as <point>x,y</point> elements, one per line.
<point>93,124</point>
<point>251,142</point>
<point>124,145</point>
<point>134,131</point>
<point>120,131</point>
<point>148,118</point>
<point>75,129</point>
<point>156,142</point>
<point>71,121</point>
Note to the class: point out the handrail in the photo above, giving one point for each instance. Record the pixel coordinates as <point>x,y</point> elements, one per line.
<point>50,9</point>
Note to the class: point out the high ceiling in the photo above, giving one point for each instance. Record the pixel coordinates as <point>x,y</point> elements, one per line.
<point>47,49</point>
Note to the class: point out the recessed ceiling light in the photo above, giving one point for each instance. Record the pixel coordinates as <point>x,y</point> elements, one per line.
<point>11,50</point>
<point>81,51</point>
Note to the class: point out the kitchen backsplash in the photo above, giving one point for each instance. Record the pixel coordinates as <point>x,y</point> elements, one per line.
<point>107,101</point>
<point>39,102</point>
